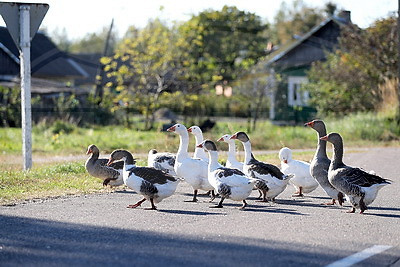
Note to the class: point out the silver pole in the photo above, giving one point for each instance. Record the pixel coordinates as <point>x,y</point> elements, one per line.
<point>25,61</point>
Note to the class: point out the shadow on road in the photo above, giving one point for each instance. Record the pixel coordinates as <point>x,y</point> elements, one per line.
<point>382,215</point>
<point>25,241</point>
<point>190,212</point>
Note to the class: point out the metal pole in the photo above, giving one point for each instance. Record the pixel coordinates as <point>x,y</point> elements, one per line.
<point>25,61</point>
<point>398,61</point>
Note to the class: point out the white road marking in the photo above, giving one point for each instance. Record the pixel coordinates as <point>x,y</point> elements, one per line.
<point>360,256</point>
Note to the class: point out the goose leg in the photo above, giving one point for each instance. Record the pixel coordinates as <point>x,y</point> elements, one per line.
<point>153,207</point>
<point>212,195</point>
<point>194,196</point>
<point>260,194</point>
<point>244,205</point>
<point>352,210</point>
<point>107,181</point>
<point>264,198</point>
<point>219,204</point>
<point>362,205</point>
<point>340,198</point>
<point>137,204</point>
<point>330,203</point>
<point>299,193</point>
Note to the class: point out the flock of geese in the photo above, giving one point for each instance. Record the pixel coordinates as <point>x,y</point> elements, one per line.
<point>236,180</point>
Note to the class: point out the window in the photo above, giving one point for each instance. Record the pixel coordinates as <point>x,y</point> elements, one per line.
<point>297,97</point>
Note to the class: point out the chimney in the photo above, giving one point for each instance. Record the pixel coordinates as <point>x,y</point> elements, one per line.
<point>345,16</point>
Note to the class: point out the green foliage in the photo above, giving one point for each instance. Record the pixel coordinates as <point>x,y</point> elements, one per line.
<point>62,127</point>
<point>10,108</point>
<point>219,45</point>
<point>362,128</point>
<point>339,88</point>
<point>297,19</point>
<point>142,67</point>
<point>91,43</point>
<point>349,81</point>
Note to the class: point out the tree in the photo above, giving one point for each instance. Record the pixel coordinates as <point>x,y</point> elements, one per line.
<point>91,43</point>
<point>296,20</point>
<point>350,79</point>
<point>61,39</point>
<point>142,69</point>
<point>219,45</point>
<point>94,42</point>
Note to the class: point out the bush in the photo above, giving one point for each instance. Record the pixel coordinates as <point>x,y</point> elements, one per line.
<point>62,127</point>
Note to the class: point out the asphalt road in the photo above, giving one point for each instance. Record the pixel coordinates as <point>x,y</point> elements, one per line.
<point>98,230</point>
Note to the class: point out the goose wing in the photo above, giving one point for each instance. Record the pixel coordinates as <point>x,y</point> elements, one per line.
<point>118,165</point>
<point>152,175</point>
<point>265,169</point>
<point>362,178</point>
<point>231,177</point>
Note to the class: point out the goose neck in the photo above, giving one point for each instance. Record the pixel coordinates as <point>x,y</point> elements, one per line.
<point>198,138</point>
<point>231,151</point>
<point>337,155</point>
<point>183,145</point>
<point>321,147</point>
<point>213,161</point>
<point>129,159</point>
<point>247,152</point>
<point>95,155</point>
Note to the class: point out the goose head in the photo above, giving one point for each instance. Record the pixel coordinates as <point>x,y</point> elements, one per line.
<point>121,154</point>
<point>92,149</point>
<point>195,130</point>
<point>241,136</point>
<point>285,155</point>
<point>317,125</point>
<point>177,128</point>
<point>207,145</point>
<point>224,138</point>
<point>333,138</point>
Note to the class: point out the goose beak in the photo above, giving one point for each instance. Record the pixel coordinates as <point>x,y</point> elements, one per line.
<point>171,129</point>
<point>190,130</point>
<point>220,140</point>
<point>88,151</point>
<point>200,146</point>
<point>309,124</point>
<point>325,138</point>
<point>233,137</point>
<point>110,161</point>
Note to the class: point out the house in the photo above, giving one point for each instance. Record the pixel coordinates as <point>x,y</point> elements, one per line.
<point>52,71</point>
<point>289,104</point>
<point>90,63</point>
<point>47,61</point>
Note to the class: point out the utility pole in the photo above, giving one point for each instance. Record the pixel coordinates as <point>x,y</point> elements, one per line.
<point>398,62</point>
<point>100,71</point>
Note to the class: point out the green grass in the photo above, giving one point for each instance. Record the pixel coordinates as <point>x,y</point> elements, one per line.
<point>359,129</point>
<point>58,179</point>
<point>46,181</point>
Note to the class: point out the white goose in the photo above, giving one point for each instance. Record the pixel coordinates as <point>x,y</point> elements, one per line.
<point>193,170</point>
<point>161,161</point>
<point>152,184</point>
<point>228,183</point>
<point>198,135</point>
<point>271,181</point>
<point>302,180</point>
<point>359,186</point>
<point>231,161</point>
